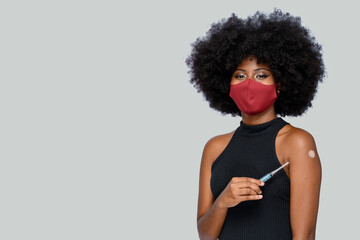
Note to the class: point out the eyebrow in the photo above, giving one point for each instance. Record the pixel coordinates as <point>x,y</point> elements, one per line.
<point>254,70</point>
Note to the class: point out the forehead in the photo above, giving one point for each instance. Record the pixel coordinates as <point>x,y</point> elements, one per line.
<point>251,62</point>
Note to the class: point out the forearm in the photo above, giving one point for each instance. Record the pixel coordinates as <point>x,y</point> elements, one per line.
<point>310,236</point>
<point>210,224</point>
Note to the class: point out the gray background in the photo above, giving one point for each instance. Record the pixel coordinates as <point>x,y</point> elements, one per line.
<point>102,134</point>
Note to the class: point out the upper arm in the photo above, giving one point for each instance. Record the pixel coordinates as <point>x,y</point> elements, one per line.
<point>211,151</point>
<point>305,179</point>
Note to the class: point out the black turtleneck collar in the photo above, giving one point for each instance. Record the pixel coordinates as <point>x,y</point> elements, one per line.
<point>258,129</point>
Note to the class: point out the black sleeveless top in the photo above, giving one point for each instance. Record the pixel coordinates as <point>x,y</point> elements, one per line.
<point>251,153</point>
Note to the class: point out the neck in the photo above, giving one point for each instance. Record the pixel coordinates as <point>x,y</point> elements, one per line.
<point>263,117</point>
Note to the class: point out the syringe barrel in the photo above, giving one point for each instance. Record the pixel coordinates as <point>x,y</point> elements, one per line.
<point>266,177</point>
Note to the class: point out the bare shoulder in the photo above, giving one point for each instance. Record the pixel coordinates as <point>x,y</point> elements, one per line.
<point>298,137</point>
<point>216,145</point>
<point>299,142</point>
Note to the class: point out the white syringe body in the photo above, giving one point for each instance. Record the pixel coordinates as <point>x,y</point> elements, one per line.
<point>270,174</point>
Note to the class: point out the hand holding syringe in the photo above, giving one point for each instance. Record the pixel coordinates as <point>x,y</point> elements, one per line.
<point>269,175</point>
<point>240,189</point>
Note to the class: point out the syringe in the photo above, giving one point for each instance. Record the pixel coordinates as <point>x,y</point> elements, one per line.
<point>269,175</point>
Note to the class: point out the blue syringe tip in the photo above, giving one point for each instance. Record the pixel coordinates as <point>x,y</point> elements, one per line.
<point>266,177</point>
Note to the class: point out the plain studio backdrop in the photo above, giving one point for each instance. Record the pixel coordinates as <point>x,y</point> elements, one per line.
<point>102,133</point>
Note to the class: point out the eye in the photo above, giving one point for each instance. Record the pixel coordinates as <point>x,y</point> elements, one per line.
<point>262,76</point>
<point>241,76</point>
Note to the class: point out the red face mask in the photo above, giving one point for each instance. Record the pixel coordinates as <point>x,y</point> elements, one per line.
<point>253,97</point>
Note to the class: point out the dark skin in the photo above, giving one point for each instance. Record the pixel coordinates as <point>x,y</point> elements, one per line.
<point>293,145</point>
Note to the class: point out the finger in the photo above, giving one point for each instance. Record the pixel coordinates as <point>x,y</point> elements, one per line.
<point>254,180</point>
<point>250,197</point>
<point>246,191</point>
<point>249,184</point>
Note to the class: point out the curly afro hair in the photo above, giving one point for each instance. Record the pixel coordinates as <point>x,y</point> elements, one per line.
<point>278,40</point>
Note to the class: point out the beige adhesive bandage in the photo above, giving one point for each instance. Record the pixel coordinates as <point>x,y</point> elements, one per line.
<point>311,153</point>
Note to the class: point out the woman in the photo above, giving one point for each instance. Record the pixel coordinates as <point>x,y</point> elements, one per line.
<point>261,68</point>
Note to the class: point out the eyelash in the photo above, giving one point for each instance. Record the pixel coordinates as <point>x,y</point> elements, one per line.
<point>261,76</point>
